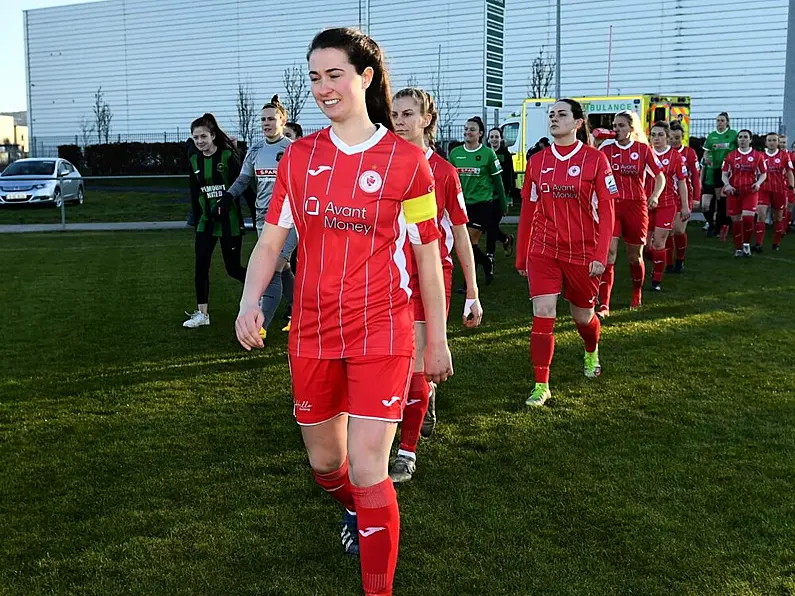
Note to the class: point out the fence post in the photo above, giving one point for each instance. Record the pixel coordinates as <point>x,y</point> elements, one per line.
<point>165,137</point>
<point>63,212</point>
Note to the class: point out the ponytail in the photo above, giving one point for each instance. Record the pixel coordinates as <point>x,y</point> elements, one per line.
<point>222,140</point>
<point>362,52</point>
<point>276,104</point>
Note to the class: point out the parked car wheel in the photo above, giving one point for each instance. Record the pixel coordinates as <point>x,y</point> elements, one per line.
<point>80,196</point>
<point>57,198</point>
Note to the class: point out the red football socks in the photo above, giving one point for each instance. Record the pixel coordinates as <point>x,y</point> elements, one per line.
<point>379,535</point>
<point>606,285</point>
<point>748,228</point>
<point>658,264</point>
<point>338,485</point>
<point>542,347</point>
<point>638,273</point>
<point>737,233</point>
<point>680,244</point>
<point>669,250</point>
<point>760,232</point>
<point>778,232</point>
<point>413,414</point>
<point>590,333</point>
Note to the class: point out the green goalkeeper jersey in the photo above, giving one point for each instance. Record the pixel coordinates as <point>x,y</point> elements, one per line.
<point>718,145</point>
<point>480,173</point>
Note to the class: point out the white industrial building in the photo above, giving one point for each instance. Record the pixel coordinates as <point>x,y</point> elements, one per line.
<point>161,64</point>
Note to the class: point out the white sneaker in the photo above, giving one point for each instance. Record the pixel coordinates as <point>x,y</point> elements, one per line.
<point>746,249</point>
<point>197,319</point>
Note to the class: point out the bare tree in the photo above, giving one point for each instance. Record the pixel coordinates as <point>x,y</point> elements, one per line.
<point>246,113</point>
<point>102,116</point>
<point>448,100</point>
<point>86,128</point>
<point>542,71</point>
<point>296,91</point>
<point>412,81</point>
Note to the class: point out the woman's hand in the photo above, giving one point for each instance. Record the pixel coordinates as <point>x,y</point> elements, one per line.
<point>473,313</point>
<point>685,212</point>
<point>438,362</point>
<point>596,269</point>
<point>247,325</point>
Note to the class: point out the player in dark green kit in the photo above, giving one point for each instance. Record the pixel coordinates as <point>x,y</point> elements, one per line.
<point>214,167</point>
<point>481,181</point>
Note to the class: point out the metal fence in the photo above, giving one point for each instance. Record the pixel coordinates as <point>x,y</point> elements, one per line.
<point>701,127</point>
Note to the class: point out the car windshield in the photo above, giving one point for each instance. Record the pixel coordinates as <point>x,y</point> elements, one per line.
<point>30,168</point>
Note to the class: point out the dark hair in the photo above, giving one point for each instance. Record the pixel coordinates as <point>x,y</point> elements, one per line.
<point>297,129</point>
<point>750,134</point>
<point>275,104</point>
<point>222,140</point>
<point>725,115</point>
<point>427,106</point>
<point>662,124</point>
<point>540,145</point>
<point>676,125</point>
<point>362,51</point>
<point>772,133</point>
<point>584,132</point>
<point>482,127</point>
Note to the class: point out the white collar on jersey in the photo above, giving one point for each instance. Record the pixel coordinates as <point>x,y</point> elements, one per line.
<point>771,154</point>
<point>624,147</point>
<point>681,149</point>
<point>745,152</point>
<point>428,153</point>
<point>380,133</point>
<point>472,150</point>
<point>667,149</point>
<point>570,155</point>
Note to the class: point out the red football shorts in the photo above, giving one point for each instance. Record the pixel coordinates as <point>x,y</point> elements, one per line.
<point>362,386</point>
<point>632,221</point>
<point>416,298</point>
<point>776,200</point>
<point>663,216</point>
<point>737,203</point>
<point>546,277</point>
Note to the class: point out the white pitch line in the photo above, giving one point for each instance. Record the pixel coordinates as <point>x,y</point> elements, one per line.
<point>728,252</point>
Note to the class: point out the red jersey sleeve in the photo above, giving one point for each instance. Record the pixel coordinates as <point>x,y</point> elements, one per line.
<point>652,163</point>
<point>726,167</point>
<point>454,201</point>
<point>681,171</point>
<point>762,168</point>
<point>419,205</point>
<point>695,173</point>
<point>280,212</point>
<point>606,191</point>
<point>529,198</point>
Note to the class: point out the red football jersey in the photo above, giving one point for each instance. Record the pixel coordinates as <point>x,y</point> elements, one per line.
<point>675,169</point>
<point>777,165</point>
<point>693,172</point>
<point>353,207</point>
<point>744,168</point>
<point>450,211</point>
<point>629,163</point>
<point>567,205</point>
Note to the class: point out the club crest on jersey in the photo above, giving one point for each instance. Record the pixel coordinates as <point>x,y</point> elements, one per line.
<point>634,155</point>
<point>778,160</point>
<point>750,158</point>
<point>220,167</point>
<point>370,181</point>
<point>666,161</point>
<point>477,158</point>
<point>574,171</point>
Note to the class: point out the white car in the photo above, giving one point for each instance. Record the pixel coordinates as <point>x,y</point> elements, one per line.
<point>41,180</point>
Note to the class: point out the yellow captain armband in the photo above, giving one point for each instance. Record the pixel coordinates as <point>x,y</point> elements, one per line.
<point>420,209</point>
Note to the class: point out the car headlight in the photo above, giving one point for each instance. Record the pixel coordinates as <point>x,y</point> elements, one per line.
<point>42,185</point>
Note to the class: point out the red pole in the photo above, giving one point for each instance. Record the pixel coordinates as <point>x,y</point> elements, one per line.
<point>609,57</point>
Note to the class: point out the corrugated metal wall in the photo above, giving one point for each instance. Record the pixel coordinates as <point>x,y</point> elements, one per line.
<point>726,54</point>
<point>161,64</point>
